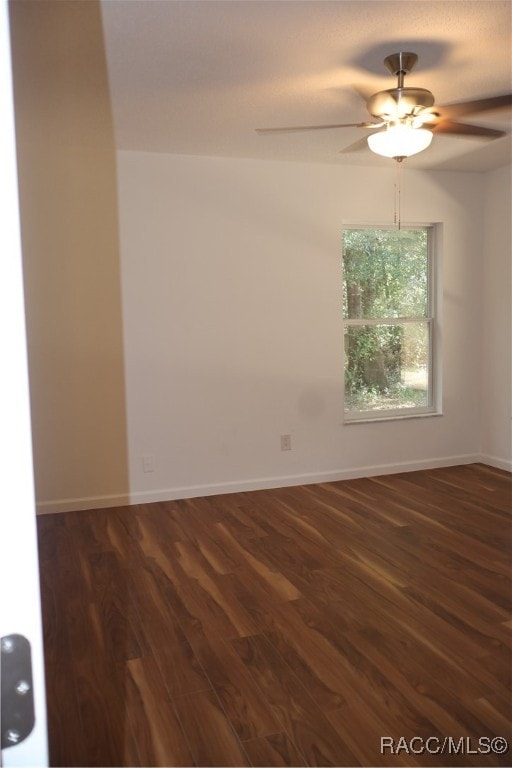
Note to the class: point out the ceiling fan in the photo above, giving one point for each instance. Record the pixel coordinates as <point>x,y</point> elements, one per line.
<point>405,118</point>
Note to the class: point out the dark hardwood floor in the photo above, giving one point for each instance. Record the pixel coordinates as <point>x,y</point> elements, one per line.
<point>287,627</point>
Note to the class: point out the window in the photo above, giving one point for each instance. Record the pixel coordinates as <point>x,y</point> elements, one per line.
<point>388,322</point>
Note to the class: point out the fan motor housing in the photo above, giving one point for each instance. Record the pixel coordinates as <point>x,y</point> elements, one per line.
<point>396,103</point>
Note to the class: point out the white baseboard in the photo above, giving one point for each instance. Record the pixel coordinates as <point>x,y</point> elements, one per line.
<point>253,484</point>
<point>494,461</point>
<point>81,503</point>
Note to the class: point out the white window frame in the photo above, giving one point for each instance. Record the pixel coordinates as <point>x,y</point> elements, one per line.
<point>431,318</point>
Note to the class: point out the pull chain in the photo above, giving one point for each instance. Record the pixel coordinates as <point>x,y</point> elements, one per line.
<point>397,216</point>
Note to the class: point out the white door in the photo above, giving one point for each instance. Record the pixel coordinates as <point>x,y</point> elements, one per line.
<point>23,722</point>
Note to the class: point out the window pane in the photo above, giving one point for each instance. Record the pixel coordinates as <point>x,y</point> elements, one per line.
<point>386,366</point>
<point>385,273</point>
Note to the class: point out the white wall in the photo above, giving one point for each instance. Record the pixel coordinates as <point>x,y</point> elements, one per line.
<point>232,326</point>
<point>72,281</point>
<point>230,300</point>
<point>70,240</point>
<point>497,321</point>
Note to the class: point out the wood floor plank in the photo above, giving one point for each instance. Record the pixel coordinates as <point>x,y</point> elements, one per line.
<point>165,638</point>
<point>123,534</point>
<point>314,661</point>
<point>496,668</point>
<point>100,682</point>
<point>183,604</point>
<point>215,742</point>
<point>295,626</point>
<point>491,586</point>
<point>304,723</point>
<point>362,731</point>
<point>242,700</point>
<point>359,679</point>
<point>232,512</point>
<point>52,537</point>
<point>419,663</point>
<point>88,530</point>
<point>102,694</point>
<point>495,714</point>
<point>160,739</point>
<point>457,512</point>
<point>466,484</point>
<point>276,749</point>
<point>115,613</point>
<point>200,601</point>
<point>255,560</point>
<point>487,634</point>
<point>198,569</point>
<point>66,745</point>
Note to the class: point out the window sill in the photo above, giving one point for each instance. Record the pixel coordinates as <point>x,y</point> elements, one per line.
<point>365,419</point>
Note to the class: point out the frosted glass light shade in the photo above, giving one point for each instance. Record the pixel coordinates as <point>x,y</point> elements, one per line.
<point>400,141</point>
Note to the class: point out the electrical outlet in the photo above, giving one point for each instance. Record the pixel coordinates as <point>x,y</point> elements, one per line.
<point>286,442</point>
<point>148,462</point>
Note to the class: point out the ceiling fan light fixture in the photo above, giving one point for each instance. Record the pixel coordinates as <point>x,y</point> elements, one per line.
<point>400,141</point>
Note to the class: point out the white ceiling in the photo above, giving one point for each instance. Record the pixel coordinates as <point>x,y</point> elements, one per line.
<point>198,76</point>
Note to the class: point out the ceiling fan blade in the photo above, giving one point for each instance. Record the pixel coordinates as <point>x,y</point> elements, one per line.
<point>293,128</point>
<point>357,146</point>
<point>364,91</point>
<point>478,105</point>
<point>449,126</point>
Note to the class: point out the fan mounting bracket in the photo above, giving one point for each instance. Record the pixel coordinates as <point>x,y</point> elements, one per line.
<point>400,63</point>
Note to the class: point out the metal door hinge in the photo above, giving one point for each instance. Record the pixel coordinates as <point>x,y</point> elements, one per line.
<point>17,698</point>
